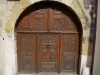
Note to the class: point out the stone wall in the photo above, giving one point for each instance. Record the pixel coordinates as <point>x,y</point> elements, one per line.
<point>14,9</point>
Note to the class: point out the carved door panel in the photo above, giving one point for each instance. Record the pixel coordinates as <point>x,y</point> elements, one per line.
<point>59,22</point>
<point>26,49</point>
<point>69,52</point>
<point>48,53</point>
<point>39,20</point>
<point>35,21</point>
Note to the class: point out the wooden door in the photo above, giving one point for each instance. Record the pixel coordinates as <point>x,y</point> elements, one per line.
<point>69,53</point>
<point>48,58</point>
<point>26,49</point>
<point>47,41</point>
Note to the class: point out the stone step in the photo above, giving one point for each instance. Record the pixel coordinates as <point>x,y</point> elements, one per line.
<point>50,74</point>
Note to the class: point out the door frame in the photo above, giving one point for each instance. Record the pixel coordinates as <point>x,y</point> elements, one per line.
<point>66,10</point>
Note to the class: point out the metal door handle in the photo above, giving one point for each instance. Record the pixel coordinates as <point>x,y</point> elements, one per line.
<point>48,46</point>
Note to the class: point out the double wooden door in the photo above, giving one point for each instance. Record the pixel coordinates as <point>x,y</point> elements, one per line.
<point>47,41</point>
<point>47,52</point>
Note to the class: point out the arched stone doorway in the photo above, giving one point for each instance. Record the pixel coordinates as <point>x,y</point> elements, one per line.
<point>48,38</point>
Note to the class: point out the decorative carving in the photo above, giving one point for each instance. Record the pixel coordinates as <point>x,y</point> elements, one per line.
<point>61,22</point>
<point>48,39</point>
<point>57,24</point>
<point>48,49</point>
<point>26,52</point>
<point>73,42</point>
<point>68,52</point>
<point>40,21</point>
<point>40,11</point>
<point>39,24</point>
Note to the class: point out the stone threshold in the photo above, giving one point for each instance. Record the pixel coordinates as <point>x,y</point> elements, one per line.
<point>50,74</point>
